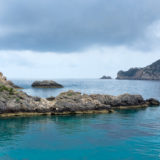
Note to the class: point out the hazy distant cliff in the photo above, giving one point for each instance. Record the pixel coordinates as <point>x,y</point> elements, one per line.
<point>151,72</point>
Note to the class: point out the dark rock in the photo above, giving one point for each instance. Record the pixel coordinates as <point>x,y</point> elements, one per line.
<point>50,98</point>
<point>37,98</point>
<point>106,77</point>
<point>129,100</point>
<point>151,72</point>
<point>46,84</point>
<point>153,102</point>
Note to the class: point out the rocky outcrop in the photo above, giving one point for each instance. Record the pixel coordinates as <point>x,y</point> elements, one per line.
<point>14,102</point>
<point>17,102</point>
<point>46,84</point>
<point>151,72</point>
<point>106,77</point>
<point>4,81</point>
<point>153,102</point>
<point>75,101</point>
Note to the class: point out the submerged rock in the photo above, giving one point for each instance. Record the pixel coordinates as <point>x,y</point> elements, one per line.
<point>151,72</point>
<point>46,84</point>
<point>106,77</point>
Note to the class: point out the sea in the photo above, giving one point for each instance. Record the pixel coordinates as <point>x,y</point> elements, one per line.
<point>123,135</point>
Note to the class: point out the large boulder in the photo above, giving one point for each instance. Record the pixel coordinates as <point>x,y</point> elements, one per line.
<point>151,72</point>
<point>46,84</point>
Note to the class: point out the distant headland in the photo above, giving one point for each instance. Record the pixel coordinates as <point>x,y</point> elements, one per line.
<point>150,72</point>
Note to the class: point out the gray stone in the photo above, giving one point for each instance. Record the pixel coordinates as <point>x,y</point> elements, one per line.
<point>46,84</point>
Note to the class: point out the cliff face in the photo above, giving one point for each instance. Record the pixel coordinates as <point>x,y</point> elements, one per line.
<point>151,72</point>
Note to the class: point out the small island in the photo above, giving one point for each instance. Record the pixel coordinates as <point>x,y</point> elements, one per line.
<point>46,84</point>
<point>106,77</point>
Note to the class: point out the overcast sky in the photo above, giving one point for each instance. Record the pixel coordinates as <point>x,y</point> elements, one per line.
<point>77,38</point>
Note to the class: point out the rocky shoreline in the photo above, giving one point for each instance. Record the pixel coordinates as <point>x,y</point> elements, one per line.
<point>17,103</point>
<point>13,103</point>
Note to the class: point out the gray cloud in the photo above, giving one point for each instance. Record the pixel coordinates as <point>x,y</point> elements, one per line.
<point>61,25</point>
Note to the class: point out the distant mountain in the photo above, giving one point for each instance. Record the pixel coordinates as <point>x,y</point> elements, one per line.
<point>151,72</point>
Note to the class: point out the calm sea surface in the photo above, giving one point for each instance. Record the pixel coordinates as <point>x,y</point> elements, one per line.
<point>128,135</point>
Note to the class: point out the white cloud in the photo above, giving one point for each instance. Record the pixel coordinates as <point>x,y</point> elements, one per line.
<point>91,63</point>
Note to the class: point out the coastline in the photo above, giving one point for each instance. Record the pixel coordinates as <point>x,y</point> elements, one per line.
<point>17,103</point>
<point>113,110</point>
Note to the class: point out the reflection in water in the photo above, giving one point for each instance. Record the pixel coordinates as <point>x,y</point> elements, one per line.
<point>10,127</point>
<point>69,124</point>
<point>129,130</point>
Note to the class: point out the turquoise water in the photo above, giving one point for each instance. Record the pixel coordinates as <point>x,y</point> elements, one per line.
<point>114,87</point>
<point>129,134</point>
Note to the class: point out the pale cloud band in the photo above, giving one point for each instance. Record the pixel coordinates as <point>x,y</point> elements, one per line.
<point>91,63</point>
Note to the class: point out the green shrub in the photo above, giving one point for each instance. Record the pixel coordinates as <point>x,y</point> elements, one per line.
<point>17,100</point>
<point>11,92</point>
<point>4,88</point>
<point>70,94</point>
